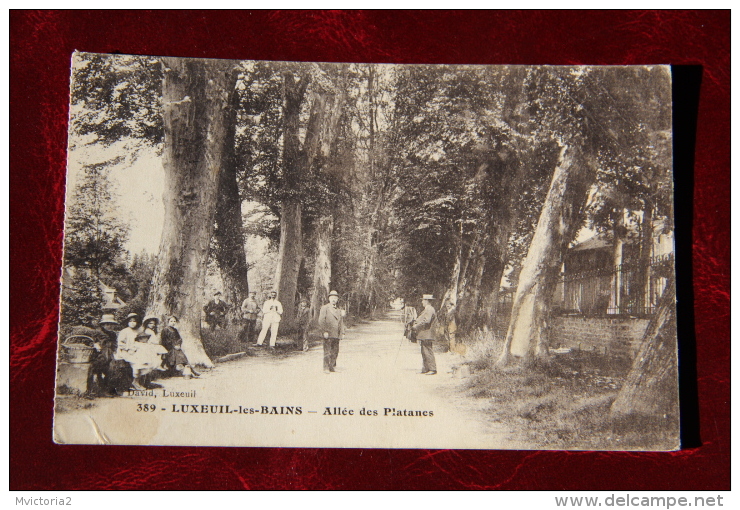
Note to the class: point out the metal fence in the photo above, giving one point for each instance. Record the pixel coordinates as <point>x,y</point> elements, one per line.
<point>627,289</point>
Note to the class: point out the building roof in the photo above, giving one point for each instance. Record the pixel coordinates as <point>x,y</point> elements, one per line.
<point>112,300</point>
<point>601,241</point>
<point>594,243</point>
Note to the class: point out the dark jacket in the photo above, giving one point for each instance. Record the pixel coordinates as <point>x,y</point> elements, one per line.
<point>170,337</point>
<point>217,310</point>
<point>331,321</point>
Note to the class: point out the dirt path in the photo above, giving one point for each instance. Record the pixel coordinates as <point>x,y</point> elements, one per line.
<point>377,371</point>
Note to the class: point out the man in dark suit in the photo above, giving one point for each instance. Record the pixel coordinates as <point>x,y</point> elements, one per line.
<point>105,345</point>
<point>331,323</point>
<point>425,335</point>
<point>216,312</point>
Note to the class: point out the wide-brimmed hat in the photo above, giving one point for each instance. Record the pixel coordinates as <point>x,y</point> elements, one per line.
<point>133,316</point>
<point>150,318</point>
<point>334,293</point>
<point>428,297</point>
<point>108,318</point>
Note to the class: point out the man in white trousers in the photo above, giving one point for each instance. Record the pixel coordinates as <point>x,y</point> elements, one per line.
<point>273,311</point>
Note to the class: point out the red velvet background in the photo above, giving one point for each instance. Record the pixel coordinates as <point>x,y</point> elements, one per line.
<point>40,47</point>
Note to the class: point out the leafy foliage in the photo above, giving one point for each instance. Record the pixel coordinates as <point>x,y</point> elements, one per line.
<point>434,167</point>
<point>82,300</point>
<point>116,97</point>
<point>133,282</point>
<point>94,235</point>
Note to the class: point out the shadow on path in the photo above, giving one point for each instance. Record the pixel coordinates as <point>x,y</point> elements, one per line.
<point>376,399</point>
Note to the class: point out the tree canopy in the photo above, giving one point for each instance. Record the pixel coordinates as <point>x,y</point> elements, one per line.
<point>382,181</point>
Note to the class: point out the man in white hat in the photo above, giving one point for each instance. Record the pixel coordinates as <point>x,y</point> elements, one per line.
<point>109,326</point>
<point>331,324</point>
<point>272,310</point>
<point>425,335</point>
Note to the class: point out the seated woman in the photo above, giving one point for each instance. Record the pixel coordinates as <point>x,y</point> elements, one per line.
<point>150,350</point>
<point>134,348</point>
<point>126,348</point>
<point>175,361</point>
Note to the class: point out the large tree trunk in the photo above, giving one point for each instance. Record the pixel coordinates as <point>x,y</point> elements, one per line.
<point>327,110</point>
<point>290,256</point>
<point>497,265</point>
<point>298,163</point>
<point>559,219</point>
<point>470,303</point>
<point>368,275</point>
<point>228,233</point>
<point>651,387</point>
<point>454,287</point>
<point>322,267</point>
<point>290,253</point>
<point>494,276</point>
<point>470,276</point>
<point>195,99</point>
<point>377,222</point>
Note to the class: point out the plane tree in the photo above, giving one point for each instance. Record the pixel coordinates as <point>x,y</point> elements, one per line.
<point>594,116</point>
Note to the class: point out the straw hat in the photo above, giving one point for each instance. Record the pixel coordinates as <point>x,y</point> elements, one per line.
<point>428,297</point>
<point>150,318</point>
<point>108,318</point>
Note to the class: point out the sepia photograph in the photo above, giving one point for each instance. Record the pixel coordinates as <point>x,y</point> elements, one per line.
<point>349,255</point>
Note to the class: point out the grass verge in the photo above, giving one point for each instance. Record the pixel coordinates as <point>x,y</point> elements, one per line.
<point>562,401</point>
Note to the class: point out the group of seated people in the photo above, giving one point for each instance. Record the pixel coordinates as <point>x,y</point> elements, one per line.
<point>137,354</point>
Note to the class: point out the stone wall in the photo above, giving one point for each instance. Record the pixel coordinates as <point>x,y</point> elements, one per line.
<point>618,336</point>
<point>614,335</point>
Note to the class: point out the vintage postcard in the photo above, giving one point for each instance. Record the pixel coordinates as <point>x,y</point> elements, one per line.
<point>292,254</point>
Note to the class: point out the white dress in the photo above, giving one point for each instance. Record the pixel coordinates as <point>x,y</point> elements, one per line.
<point>142,356</point>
